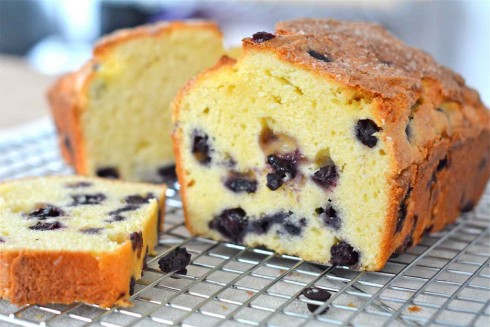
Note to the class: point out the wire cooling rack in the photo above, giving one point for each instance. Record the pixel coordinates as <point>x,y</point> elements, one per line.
<point>445,280</point>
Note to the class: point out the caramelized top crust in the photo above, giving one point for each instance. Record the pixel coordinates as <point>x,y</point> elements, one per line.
<point>362,55</point>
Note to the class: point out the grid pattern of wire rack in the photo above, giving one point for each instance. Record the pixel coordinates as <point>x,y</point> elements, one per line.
<point>445,280</point>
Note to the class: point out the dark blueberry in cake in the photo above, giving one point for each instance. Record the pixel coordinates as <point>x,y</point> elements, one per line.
<point>176,260</point>
<point>316,294</point>
<point>46,211</point>
<point>343,253</point>
<point>46,226</point>
<point>91,230</point>
<point>240,183</point>
<point>231,223</point>
<point>295,229</point>
<point>137,242</point>
<point>201,148</point>
<point>138,199</point>
<point>129,207</point>
<point>67,143</point>
<point>408,131</point>
<point>87,199</point>
<point>319,56</point>
<point>132,283</point>
<point>108,172</point>
<point>274,181</point>
<point>116,218</point>
<point>365,129</point>
<point>442,164</point>
<point>402,211</point>
<point>168,175</point>
<point>2,240</point>
<point>428,229</point>
<point>283,170</point>
<point>326,176</point>
<point>260,37</point>
<point>468,206</point>
<point>330,217</point>
<point>78,185</point>
<point>263,225</point>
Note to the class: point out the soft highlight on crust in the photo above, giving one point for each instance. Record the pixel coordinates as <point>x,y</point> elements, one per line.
<point>411,89</point>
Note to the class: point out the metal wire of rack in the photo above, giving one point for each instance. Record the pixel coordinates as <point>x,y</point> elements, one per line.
<point>445,280</point>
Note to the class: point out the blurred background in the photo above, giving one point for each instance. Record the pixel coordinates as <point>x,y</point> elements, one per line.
<point>40,39</point>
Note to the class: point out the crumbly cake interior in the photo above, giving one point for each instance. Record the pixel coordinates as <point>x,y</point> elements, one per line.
<point>276,156</point>
<point>126,125</point>
<point>76,214</point>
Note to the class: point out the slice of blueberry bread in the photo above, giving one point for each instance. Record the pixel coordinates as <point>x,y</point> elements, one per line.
<point>329,140</point>
<point>113,115</point>
<point>68,239</point>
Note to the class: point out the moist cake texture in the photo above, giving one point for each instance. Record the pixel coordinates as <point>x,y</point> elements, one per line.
<point>67,239</point>
<point>113,115</point>
<point>329,140</point>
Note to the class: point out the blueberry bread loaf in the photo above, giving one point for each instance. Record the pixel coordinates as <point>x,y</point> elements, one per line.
<point>67,239</point>
<point>329,140</point>
<point>113,115</point>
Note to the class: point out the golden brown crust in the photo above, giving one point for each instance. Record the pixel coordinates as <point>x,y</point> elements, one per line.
<point>67,96</point>
<point>65,277</point>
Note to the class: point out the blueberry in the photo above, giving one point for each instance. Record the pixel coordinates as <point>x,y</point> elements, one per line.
<point>176,261</point>
<point>241,183</point>
<point>316,294</point>
<point>91,230</point>
<point>46,226</point>
<point>365,129</point>
<point>330,217</point>
<point>168,174</point>
<point>88,199</point>
<point>260,37</point>
<point>231,223</point>
<point>145,259</point>
<point>442,164</point>
<point>201,148</point>
<point>294,229</point>
<point>408,131</point>
<point>132,283</point>
<point>108,172</point>
<point>116,213</point>
<point>136,239</point>
<point>78,185</point>
<point>2,240</point>
<point>319,56</point>
<point>343,253</point>
<point>274,181</point>
<point>468,206</point>
<point>46,211</point>
<point>138,199</point>
<point>402,210</point>
<point>326,176</point>
<point>283,170</point>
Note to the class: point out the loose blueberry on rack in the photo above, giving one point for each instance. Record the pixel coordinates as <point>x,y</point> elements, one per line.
<point>316,294</point>
<point>175,261</point>
<point>46,211</point>
<point>343,253</point>
<point>365,129</point>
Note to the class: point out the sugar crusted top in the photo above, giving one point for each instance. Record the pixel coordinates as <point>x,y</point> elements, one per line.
<point>362,55</point>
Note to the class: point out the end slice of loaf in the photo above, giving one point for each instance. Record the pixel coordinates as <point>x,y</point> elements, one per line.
<point>329,140</point>
<point>113,116</point>
<point>68,239</point>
